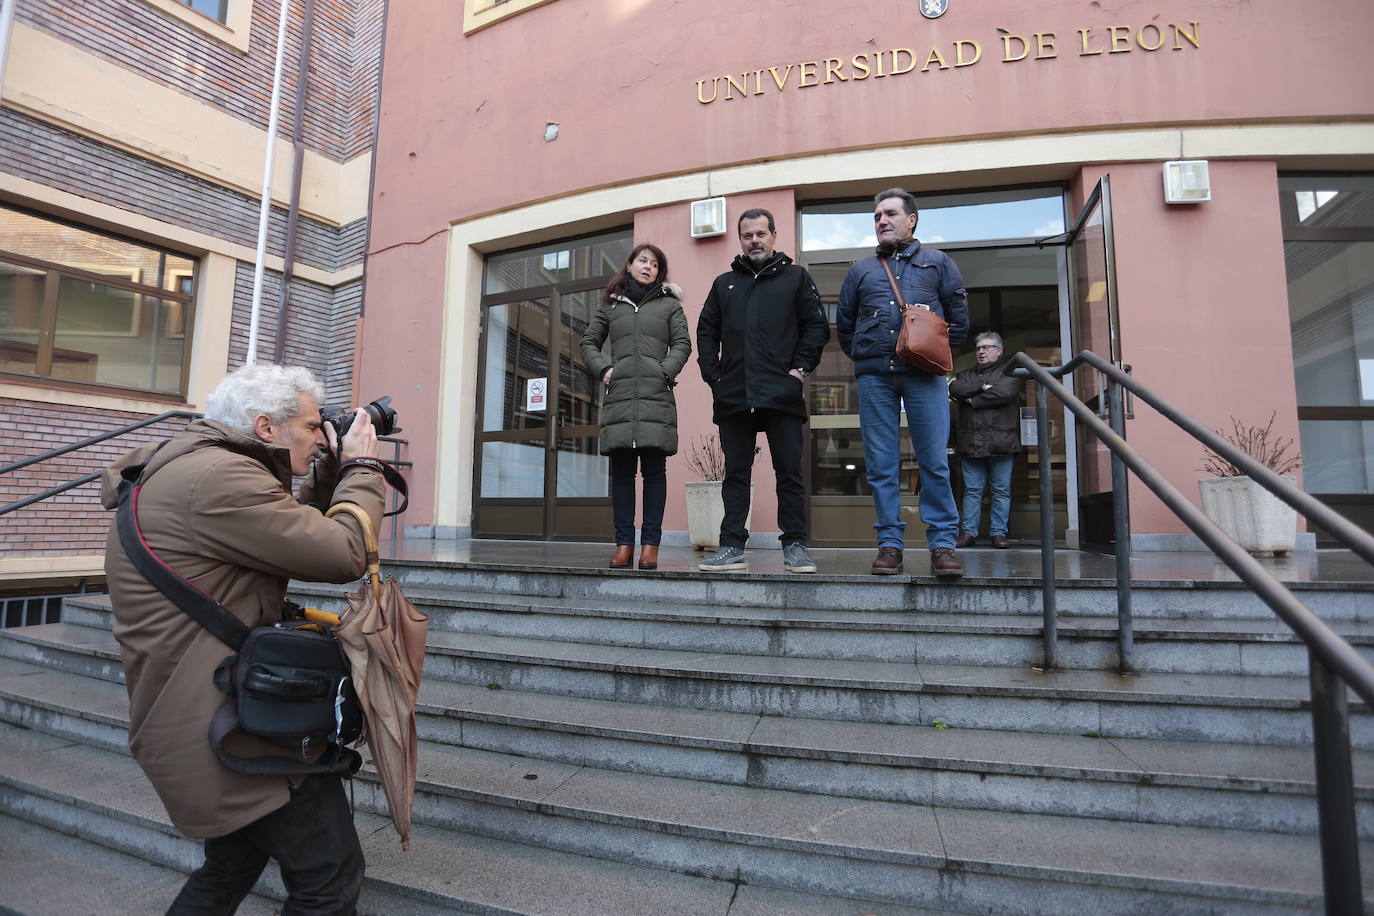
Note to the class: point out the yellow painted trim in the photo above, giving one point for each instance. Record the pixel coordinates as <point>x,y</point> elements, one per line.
<point>84,399</point>
<point>232,32</point>
<point>955,164</point>
<point>478,14</point>
<point>51,567</point>
<point>99,215</point>
<point>60,83</point>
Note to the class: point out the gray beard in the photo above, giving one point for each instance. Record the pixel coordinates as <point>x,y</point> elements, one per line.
<point>758,259</point>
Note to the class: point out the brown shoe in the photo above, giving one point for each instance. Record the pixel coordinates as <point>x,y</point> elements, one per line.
<point>623,553</point>
<point>648,556</point>
<point>967,540</point>
<point>945,563</point>
<point>889,562</point>
<point>999,541</point>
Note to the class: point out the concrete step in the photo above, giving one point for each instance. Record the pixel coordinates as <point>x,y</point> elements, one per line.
<point>1168,782</point>
<point>1163,645</point>
<point>900,853</point>
<point>1228,708</point>
<point>51,872</point>
<point>974,594</point>
<point>52,785</point>
<point>1191,707</point>
<point>88,651</point>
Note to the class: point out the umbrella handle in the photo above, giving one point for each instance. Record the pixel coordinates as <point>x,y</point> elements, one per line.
<point>374,565</point>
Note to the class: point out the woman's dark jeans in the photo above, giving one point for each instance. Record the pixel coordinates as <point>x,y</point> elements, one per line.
<point>653,464</point>
<point>314,842</point>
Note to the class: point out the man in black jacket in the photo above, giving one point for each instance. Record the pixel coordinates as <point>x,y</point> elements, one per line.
<point>989,437</point>
<point>760,334</point>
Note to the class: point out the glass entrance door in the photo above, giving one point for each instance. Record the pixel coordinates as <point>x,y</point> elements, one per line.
<point>1094,325</point>
<point>538,473</point>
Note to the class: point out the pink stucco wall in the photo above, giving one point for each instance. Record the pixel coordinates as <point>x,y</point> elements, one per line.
<point>1204,313</point>
<point>463,117</point>
<point>463,125</point>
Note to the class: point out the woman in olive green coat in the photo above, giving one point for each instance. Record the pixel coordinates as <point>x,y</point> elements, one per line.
<point>641,314</point>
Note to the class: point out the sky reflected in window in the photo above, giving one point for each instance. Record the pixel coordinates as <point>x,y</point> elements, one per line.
<point>1004,219</point>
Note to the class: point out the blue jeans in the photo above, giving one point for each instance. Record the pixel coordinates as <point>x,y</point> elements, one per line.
<point>979,474</point>
<point>926,399</point>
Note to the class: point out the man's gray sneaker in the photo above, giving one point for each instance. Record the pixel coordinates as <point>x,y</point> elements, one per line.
<point>725,558</point>
<point>796,559</point>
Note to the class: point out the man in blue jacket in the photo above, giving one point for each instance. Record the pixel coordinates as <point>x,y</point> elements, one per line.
<point>868,322</point>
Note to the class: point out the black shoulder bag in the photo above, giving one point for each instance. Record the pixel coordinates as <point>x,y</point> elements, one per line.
<point>287,683</point>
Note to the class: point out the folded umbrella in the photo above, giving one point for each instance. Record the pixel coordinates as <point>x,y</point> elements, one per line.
<point>383,638</point>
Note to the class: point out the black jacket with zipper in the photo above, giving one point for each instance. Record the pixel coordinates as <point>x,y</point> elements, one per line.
<point>756,325</point>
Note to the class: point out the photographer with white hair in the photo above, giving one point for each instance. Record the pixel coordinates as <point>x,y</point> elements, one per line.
<point>215,504</point>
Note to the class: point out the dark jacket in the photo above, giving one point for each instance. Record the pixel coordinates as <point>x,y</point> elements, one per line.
<point>868,319</point>
<point>989,410</point>
<point>216,505</point>
<point>650,344</point>
<point>755,326</point>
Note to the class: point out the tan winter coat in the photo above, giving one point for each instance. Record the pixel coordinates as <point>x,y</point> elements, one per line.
<point>217,507</point>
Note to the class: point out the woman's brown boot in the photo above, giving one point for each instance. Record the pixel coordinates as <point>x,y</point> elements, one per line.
<point>623,552</point>
<point>648,556</point>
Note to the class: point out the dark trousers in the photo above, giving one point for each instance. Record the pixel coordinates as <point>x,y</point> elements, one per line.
<point>314,842</point>
<point>653,464</point>
<point>738,434</point>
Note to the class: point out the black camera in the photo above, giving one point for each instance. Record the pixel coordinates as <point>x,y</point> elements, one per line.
<point>379,412</point>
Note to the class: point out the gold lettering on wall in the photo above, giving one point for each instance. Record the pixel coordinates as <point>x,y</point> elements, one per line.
<point>1159,37</point>
<point>965,52</point>
<point>1181,32</point>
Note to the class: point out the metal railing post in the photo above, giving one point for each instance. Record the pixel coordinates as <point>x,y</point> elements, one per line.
<point>1121,526</point>
<point>1335,789</point>
<point>1047,580</point>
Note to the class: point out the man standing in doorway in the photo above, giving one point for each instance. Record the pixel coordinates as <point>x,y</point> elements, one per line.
<point>989,438</point>
<point>760,334</point>
<point>868,321</point>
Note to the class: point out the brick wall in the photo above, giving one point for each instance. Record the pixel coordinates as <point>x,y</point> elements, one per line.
<point>72,524</point>
<point>49,155</point>
<point>319,328</point>
<point>169,51</point>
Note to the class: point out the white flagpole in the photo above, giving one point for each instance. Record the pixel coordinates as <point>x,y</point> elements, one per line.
<point>265,210</point>
<point>6,23</point>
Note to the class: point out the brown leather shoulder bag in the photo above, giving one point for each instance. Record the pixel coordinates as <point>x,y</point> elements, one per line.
<point>924,339</point>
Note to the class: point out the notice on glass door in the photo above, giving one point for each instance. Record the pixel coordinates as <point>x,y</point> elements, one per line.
<point>536,399</point>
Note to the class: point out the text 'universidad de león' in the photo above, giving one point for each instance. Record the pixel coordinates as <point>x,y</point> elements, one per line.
<point>963,52</point>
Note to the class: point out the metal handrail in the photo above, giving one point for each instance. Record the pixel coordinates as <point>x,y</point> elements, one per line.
<point>96,440</point>
<point>84,443</point>
<point>1333,662</point>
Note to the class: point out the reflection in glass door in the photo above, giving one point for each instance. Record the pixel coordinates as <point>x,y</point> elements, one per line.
<point>538,473</point>
<point>1095,326</point>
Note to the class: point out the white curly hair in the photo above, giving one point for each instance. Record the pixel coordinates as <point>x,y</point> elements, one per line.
<point>262,388</point>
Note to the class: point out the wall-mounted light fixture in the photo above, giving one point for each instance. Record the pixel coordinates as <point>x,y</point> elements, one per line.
<point>708,217</point>
<point>1186,181</point>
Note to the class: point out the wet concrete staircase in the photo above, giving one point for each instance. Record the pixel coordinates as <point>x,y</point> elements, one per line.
<point>606,742</point>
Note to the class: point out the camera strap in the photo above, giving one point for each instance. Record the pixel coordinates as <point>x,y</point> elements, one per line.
<point>389,474</point>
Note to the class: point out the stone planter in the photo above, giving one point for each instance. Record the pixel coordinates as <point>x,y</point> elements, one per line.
<point>706,510</point>
<point>1258,520</point>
